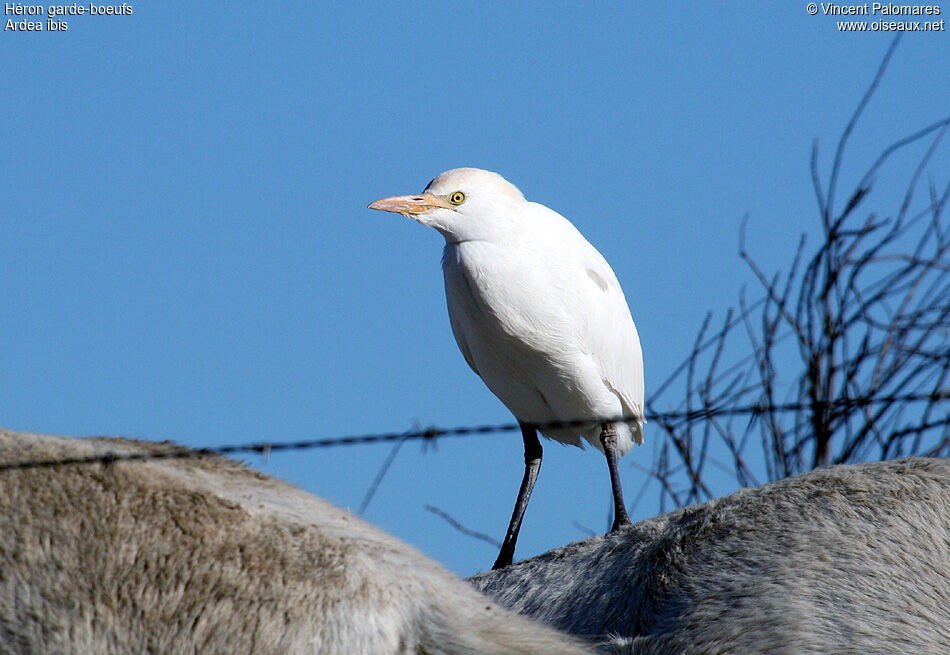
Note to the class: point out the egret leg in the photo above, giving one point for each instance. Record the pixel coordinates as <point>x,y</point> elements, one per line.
<point>608,437</point>
<point>532,464</point>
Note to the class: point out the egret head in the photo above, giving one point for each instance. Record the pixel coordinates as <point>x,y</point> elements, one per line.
<point>462,204</point>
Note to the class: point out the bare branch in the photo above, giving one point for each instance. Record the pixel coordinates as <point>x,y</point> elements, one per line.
<point>851,337</point>
<point>461,528</point>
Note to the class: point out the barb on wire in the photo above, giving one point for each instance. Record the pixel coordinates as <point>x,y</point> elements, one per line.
<point>432,433</point>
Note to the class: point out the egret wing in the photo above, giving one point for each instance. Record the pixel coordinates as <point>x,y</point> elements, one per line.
<point>613,338</point>
<point>602,317</point>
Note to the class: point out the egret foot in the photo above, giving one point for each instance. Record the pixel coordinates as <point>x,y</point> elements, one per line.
<point>532,464</point>
<point>608,437</point>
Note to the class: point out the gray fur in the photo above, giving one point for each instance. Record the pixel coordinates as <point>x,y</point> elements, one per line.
<point>852,559</point>
<point>207,556</point>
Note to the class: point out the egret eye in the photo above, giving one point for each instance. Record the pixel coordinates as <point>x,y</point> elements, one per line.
<point>457,198</point>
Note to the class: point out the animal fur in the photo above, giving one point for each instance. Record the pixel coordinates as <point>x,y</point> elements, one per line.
<point>207,556</point>
<point>852,559</point>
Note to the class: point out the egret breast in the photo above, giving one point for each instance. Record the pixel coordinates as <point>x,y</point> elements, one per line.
<point>516,325</point>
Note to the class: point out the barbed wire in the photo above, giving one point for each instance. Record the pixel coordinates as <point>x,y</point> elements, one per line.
<point>265,448</point>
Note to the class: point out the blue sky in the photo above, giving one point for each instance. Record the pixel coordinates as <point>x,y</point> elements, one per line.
<point>186,253</point>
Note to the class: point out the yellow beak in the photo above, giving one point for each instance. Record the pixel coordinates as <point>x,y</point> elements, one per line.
<point>410,205</point>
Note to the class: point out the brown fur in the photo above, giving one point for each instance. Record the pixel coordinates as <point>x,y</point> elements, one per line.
<point>207,556</point>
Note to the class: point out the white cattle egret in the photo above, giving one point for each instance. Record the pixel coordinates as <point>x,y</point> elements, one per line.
<point>539,316</point>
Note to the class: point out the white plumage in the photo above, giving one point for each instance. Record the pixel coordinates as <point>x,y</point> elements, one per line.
<point>536,310</point>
